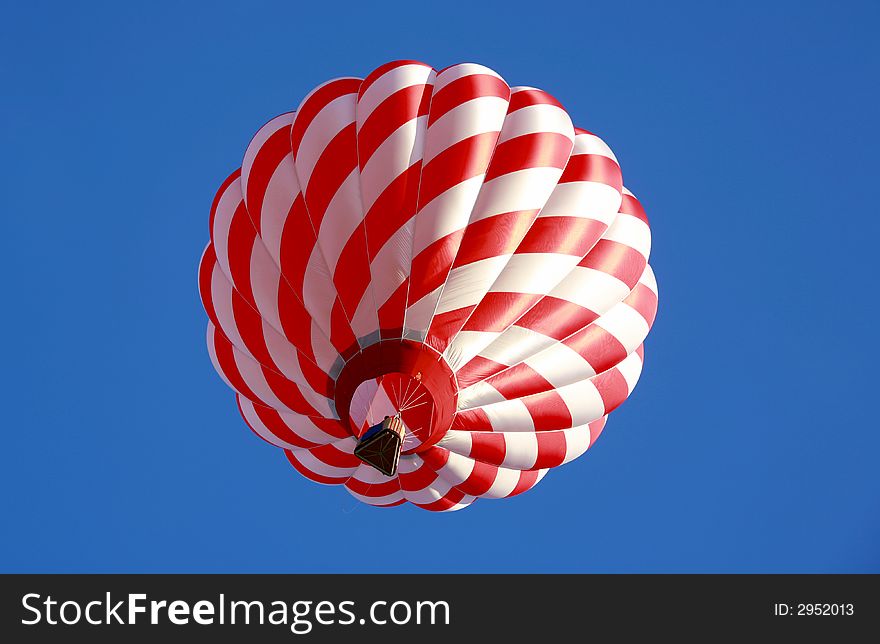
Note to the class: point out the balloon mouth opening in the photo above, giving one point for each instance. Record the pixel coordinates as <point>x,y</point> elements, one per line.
<point>400,379</point>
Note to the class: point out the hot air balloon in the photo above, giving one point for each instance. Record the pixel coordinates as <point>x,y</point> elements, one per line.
<point>427,286</point>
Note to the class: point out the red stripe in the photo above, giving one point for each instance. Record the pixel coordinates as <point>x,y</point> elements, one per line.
<point>273,423</point>
<point>226,359</point>
<point>480,480</point>
<point>459,162</point>
<point>430,267</point>
<point>375,490</point>
<point>239,248</point>
<point>397,109</point>
<point>392,209</point>
<point>519,381</point>
<point>333,456</point>
<point>548,411</point>
<point>632,206</point>
<point>446,325</point>
<point>206,272</point>
<point>556,318</point>
<point>494,236</point>
<point>315,376</point>
<point>464,89</point>
<point>288,393</point>
<point>261,437</point>
<point>267,160</point>
<point>477,370</point>
<point>593,167</point>
<point>317,102</point>
<point>309,474</point>
<point>392,312</point>
<point>596,428</point>
<point>380,71</point>
<point>616,259</point>
<point>526,97</point>
<point>497,311</point>
<point>612,387</point>
<point>250,328</point>
<point>562,236</point>
<point>297,243</point>
<point>341,335</point>
<point>352,273</point>
<point>447,501</point>
<point>418,479</point>
<point>488,447</point>
<point>643,300</point>
<point>538,150</point>
<point>249,325</point>
<point>337,161</point>
<point>527,480</point>
<point>552,448</point>
<point>389,505</point>
<point>471,419</point>
<point>598,347</point>
<point>223,187</point>
<point>296,322</point>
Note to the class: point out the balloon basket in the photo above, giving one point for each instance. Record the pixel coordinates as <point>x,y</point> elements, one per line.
<point>380,445</point>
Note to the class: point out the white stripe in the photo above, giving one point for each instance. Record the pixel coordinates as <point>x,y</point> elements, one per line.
<point>446,213</point>
<point>265,280</point>
<point>394,156</point>
<point>505,482</point>
<point>391,82</point>
<point>467,284</point>
<point>319,293</point>
<point>221,298</point>
<point>313,464</point>
<point>630,231</point>
<point>388,499</point>
<point>631,368</point>
<point>457,469</point>
<point>461,70</point>
<point>516,344</point>
<point>536,273</point>
<point>330,121</point>
<point>625,324</point>
<point>478,394</point>
<point>592,144</point>
<point>253,377</point>
<point>343,216</point>
<point>560,365</point>
<point>212,353</point>
<point>583,199</point>
<point>479,115</point>
<point>226,206</point>
<point>521,450</point>
<point>534,119</point>
<point>465,346</point>
<point>259,139</point>
<point>591,289</point>
<point>388,269</point>
<point>527,189</point>
<point>577,441</point>
<point>281,192</point>
<point>457,441</point>
<point>583,402</point>
<point>509,416</point>
<point>420,314</point>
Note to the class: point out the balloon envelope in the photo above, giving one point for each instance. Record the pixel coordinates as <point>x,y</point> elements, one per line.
<point>437,246</point>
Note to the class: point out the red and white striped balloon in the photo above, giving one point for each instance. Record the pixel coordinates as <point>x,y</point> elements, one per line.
<point>435,244</point>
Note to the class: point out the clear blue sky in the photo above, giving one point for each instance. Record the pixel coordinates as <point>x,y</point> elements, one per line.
<point>750,134</point>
